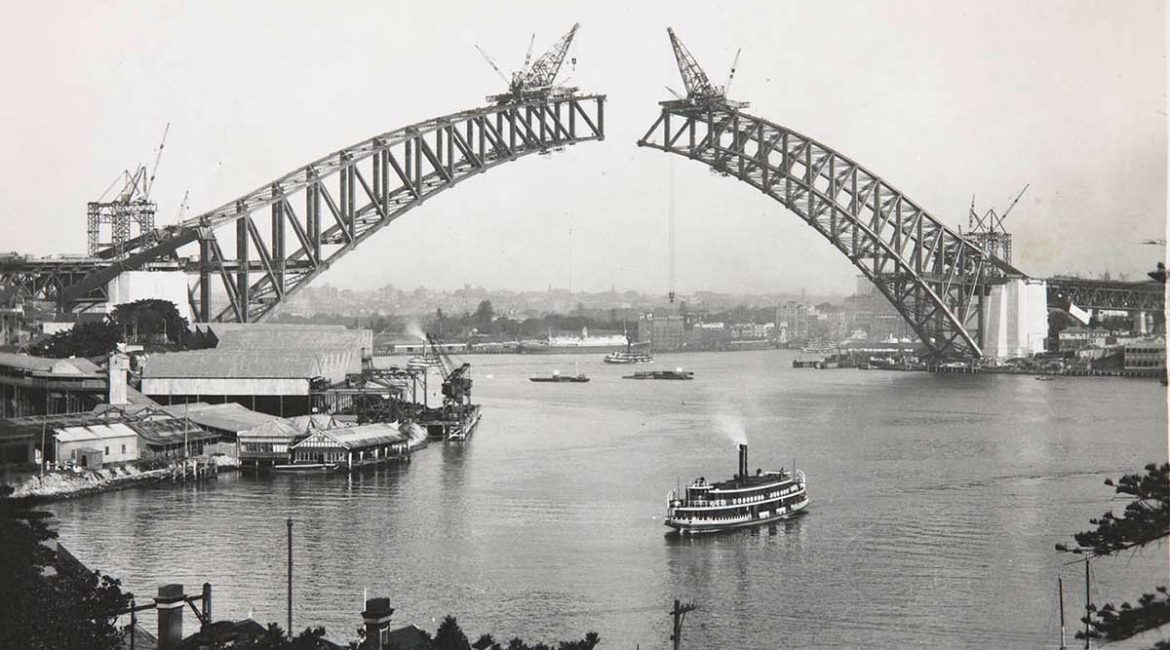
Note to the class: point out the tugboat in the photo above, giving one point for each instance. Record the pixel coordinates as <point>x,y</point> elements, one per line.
<point>677,373</point>
<point>743,501</point>
<point>557,377</point>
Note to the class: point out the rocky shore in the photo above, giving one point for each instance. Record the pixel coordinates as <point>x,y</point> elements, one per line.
<point>76,482</point>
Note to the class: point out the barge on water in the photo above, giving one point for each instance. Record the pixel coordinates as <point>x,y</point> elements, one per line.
<point>557,378</point>
<point>741,502</point>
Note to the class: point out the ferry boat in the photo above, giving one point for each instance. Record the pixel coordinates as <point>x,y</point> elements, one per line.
<point>817,346</point>
<point>745,500</point>
<point>677,373</point>
<point>628,357</point>
<point>558,378</point>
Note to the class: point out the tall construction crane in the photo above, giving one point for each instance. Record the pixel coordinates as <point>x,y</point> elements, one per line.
<point>988,231</point>
<point>700,90</point>
<point>131,207</point>
<point>538,79</point>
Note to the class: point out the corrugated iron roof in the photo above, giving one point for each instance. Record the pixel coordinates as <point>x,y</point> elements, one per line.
<point>234,364</point>
<point>228,416</point>
<point>76,366</point>
<point>94,432</point>
<point>365,435</point>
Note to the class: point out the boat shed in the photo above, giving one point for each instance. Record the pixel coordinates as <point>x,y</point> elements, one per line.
<point>351,446</point>
<point>116,442</point>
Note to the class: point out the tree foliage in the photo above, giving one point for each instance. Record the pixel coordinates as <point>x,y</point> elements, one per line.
<point>86,339</point>
<point>450,637</point>
<point>1146,519</point>
<point>43,605</point>
<point>150,320</point>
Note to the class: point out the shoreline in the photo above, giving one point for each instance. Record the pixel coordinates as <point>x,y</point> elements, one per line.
<point>63,485</point>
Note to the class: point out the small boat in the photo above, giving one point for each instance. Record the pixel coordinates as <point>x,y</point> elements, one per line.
<point>558,378</point>
<point>677,373</point>
<point>745,500</point>
<point>1044,378</point>
<point>628,357</point>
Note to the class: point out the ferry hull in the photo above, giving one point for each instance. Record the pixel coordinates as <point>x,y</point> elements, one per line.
<point>684,528</point>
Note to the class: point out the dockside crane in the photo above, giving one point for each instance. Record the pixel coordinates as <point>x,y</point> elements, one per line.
<point>456,378</point>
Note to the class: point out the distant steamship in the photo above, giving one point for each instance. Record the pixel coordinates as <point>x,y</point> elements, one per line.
<point>581,344</point>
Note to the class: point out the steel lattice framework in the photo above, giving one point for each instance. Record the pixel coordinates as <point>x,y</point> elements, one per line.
<point>291,230</point>
<point>934,277</point>
<point>1107,295</point>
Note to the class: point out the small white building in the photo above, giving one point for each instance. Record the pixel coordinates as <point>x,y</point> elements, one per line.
<point>352,446</point>
<point>117,442</point>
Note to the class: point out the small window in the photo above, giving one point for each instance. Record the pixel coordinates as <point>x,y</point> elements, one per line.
<point>107,451</point>
<point>123,448</point>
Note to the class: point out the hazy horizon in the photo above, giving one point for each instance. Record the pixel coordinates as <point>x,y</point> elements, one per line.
<point>942,99</point>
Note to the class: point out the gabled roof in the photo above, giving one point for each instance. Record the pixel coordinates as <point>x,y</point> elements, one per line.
<point>408,638</point>
<point>228,416</point>
<point>314,422</point>
<point>365,435</point>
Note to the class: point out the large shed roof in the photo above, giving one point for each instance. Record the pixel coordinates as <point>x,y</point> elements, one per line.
<point>234,364</point>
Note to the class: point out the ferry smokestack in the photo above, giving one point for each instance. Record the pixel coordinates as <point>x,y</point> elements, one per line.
<point>743,462</point>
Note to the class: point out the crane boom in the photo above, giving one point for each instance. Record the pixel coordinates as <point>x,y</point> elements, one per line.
<point>149,185</point>
<point>731,75</point>
<point>487,57</point>
<point>544,70</point>
<point>1014,202</point>
<point>694,79</point>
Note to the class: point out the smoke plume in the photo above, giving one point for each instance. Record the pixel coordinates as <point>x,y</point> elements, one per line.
<point>413,330</point>
<point>732,427</point>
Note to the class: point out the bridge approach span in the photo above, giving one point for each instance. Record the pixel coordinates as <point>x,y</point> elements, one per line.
<point>291,230</point>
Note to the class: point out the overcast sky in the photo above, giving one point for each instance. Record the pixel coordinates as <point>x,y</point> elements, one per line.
<point>943,99</point>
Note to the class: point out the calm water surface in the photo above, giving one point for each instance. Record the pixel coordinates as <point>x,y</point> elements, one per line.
<point>936,501</point>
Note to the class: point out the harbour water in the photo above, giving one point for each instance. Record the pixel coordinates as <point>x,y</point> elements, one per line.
<point>936,502</point>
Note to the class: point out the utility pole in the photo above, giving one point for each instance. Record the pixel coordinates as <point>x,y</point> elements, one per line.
<point>1088,604</point>
<point>679,613</point>
<point>290,630</point>
<point>1060,587</point>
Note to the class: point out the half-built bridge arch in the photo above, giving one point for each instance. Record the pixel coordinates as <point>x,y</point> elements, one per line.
<point>287,232</point>
<point>936,279</point>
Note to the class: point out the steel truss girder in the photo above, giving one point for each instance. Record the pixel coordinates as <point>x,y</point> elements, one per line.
<point>323,210</point>
<point>934,277</point>
<point>1107,295</point>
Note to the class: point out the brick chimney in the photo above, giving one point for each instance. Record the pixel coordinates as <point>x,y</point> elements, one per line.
<point>169,603</point>
<point>377,622</point>
<point>119,364</point>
